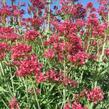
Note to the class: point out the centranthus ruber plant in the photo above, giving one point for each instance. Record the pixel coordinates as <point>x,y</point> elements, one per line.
<point>54,54</point>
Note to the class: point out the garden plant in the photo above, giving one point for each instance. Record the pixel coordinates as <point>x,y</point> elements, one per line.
<point>54,54</point>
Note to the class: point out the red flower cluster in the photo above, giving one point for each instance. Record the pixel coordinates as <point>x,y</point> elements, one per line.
<point>13,104</point>
<point>28,66</point>
<point>39,76</point>
<point>8,33</point>
<point>92,20</point>
<point>53,76</point>
<point>76,10</point>
<point>95,95</point>
<point>5,10</point>
<point>35,22</point>
<point>31,35</point>
<point>38,3</point>
<point>79,58</point>
<point>107,52</point>
<point>3,49</point>
<point>53,39</point>
<point>75,35</point>
<point>103,2</point>
<point>71,48</point>
<point>75,105</point>
<point>89,5</point>
<point>49,54</point>
<point>20,51</point>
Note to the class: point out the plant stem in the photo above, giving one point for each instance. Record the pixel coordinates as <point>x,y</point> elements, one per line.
<point>103,49</point>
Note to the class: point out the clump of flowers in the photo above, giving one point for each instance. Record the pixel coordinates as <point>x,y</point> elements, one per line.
<point>79,58</point>
<point>95,95</point>
<point>13,103</point>
<point>4,47</point>
<point>107,52</point>
<point>20,51</point>
<point>31,35</point>
<point>75,105</point>
<point>7,33</point>
<point>28,66</point>
<point>49,54</point>
<point>52,57</point>
<point>59,77</point>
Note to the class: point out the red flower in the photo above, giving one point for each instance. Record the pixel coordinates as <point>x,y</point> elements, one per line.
<point>38,3</point>
<point>67,106</point>
<point>3,49</point>
<point>107,52</point>
<point>103,2</point>
<point>8,33</point>
<point>79,58</point>
<point>49,54</point>
<point>28,66</point>
<point>5,10</point>
<point>89,5</point>
<point>16,12</point>
<point>53,76</point>
<point>76,105</point>
<point>53,39</point>
<point>13,104</point>
<point>39,76</point>
<point>31,35</point>
<point>20,50</point>
<point>80,23</point>
<point>95,95</point>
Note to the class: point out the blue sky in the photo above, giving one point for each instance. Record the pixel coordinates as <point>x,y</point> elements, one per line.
<point>84,2</point>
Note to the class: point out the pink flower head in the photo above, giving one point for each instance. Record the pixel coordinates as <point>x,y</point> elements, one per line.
<point>38,3</point>
<point>76,105</point>
<point>5,10</point>
<point>54,76</point>
<point>3,49</point>
<point>8,33</point>
<point>17,12</point>
<point>31,35</point>
<point>67,106</point>
<point>103,2</point>
<point>49,54</point>
<point>107,52</point>
<point>28,66</point>
<point>79,58</point>
<point>40,77</point>
<point>89,5</point>
<point>13,104</point>
<point>92,20</point>
<point>80,23</point>
<point>95,95</point>
<point>20,50</point>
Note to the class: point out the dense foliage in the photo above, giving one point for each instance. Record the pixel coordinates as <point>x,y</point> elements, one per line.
<point>54,54</point>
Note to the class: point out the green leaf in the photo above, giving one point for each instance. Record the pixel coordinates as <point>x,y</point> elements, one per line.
<point>2,89</point>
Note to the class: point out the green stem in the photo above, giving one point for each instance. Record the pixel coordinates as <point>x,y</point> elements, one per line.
<point>103,49</point>
<point>36,98</point>
<point>1,68</point>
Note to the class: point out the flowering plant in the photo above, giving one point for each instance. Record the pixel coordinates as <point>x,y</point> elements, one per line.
<point>56,57</point>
